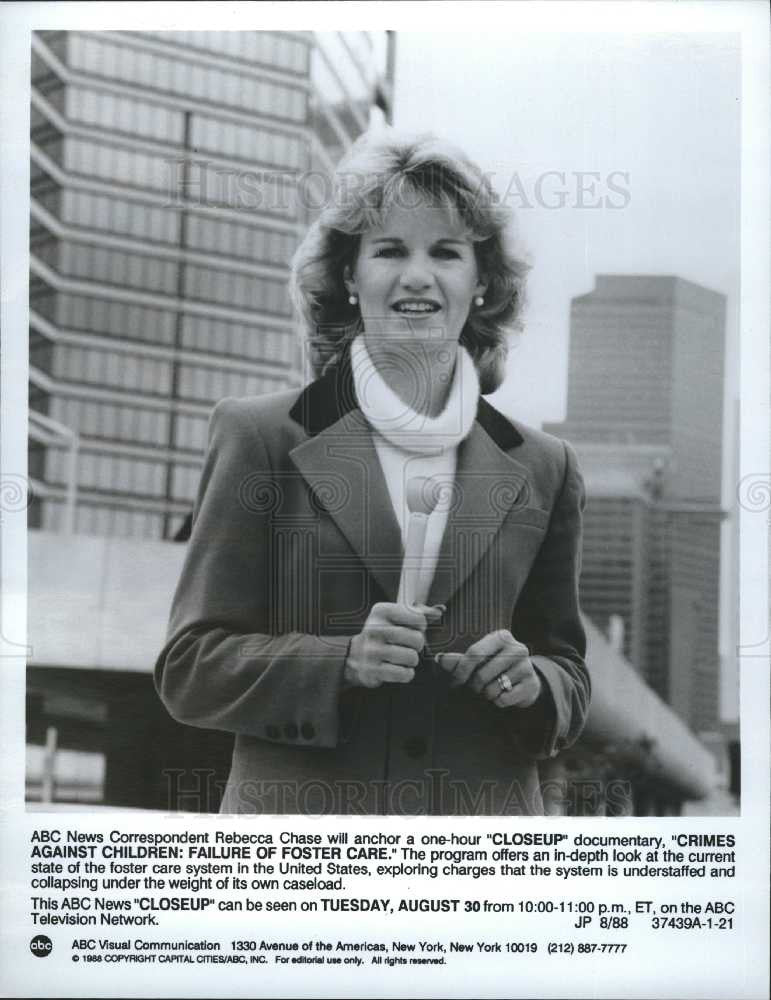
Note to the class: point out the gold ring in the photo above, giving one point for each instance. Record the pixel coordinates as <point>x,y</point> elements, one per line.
<point>504,682</point>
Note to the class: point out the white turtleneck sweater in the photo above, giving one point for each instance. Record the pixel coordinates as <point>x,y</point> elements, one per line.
<point>411,444</point>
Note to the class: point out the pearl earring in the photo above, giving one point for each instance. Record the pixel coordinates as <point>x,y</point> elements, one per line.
<point>479,300</point>
<point>353,299</point>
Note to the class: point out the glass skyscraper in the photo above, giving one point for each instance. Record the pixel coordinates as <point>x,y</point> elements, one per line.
<point>173,173</point>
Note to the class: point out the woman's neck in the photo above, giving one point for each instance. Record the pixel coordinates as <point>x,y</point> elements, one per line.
<point>419,372</point>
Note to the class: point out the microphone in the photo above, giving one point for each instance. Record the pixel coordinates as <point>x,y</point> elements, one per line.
<point>420,504</point>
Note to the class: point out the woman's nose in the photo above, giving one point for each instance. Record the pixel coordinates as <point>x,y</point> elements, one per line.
<point>417,275</point>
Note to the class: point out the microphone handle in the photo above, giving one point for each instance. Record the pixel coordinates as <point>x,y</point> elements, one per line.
<point>412,566</point>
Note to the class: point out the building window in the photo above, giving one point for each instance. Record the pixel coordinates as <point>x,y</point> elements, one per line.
<point>107,58</point>
<point>124,114</point>
<point>112,421</point>
<point>191,433</point>
<point>247,142</point>
<point>237,339</point>
<point>240,290</point>
<point>118,267</point>
<point>184,482</point>
<point>264,47</point>
<point>266,191</point>
<point>93,366</point>
<point>118,319</point>
<point>119,215</point>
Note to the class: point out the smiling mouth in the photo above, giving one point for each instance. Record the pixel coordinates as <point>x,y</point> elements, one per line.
<point>416,307</point>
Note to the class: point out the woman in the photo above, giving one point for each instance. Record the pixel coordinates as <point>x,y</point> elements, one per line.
<point>380,593</point>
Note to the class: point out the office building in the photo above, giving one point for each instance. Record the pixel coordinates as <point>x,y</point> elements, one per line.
<point>645,413</point>
<point>646,369</point>
<point>173,174</point>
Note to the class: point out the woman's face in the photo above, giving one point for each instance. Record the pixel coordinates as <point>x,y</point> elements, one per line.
<point>416,276</point>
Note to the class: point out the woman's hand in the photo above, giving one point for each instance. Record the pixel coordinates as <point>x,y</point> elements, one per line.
<point>498,667</point>
<point>388,647</point>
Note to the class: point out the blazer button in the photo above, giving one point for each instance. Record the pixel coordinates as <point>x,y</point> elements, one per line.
<point>290,731</point>
<point>273,732</point>
<point>307,731</point>
<point>415,746</point>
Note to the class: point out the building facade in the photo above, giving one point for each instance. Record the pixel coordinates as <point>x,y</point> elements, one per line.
<point>173,173</point>
<point>645,412</point>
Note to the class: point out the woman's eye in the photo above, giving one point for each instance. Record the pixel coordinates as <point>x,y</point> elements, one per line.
<point>442,253</point>
<point>388,252</point>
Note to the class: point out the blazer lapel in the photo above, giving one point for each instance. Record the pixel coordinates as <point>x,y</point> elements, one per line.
<point>489,483</point>
<point>341,466</point>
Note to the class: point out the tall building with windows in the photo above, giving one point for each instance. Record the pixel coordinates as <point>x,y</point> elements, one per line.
<point>645,413</point>
<point>173,173</point>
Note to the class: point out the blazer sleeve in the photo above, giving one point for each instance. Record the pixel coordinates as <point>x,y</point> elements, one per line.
<point>547,619</point>
<point>221,668</point>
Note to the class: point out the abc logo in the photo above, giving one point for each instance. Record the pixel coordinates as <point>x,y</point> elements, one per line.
<point>41,946</point>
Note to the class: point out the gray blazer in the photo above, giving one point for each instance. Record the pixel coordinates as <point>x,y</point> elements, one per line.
<point>294,539</point>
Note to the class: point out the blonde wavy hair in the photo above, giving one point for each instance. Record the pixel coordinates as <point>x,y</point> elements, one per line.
<point>386,169</point>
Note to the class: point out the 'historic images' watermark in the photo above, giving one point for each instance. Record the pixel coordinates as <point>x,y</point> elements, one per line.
<point>207,183</point>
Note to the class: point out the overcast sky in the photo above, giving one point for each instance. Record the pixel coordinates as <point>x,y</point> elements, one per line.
<point>657,116</point>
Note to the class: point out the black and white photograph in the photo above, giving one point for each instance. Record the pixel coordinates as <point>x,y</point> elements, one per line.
<point>377,445</point>
<point>457,534</point>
